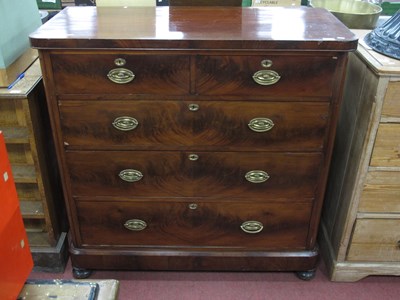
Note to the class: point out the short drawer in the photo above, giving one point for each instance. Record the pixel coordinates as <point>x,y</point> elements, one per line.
<point>277,75</point>
<point>98,73</point>
<point>386,151</point>
<point>381,192</point>
<point>293,126</point>
<point>391,104</point>
<point>375,240</point>
<point>225,175</point>
<point>194,224</point>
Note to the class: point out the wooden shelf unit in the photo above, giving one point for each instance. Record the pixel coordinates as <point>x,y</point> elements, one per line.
<point>24,123</point>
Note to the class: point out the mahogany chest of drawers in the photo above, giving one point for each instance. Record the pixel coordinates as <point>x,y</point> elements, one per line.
<point>194,138</point>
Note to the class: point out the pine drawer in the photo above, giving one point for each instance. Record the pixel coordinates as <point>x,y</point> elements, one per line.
<point>381,192</point>
<point>386,151</point>
<point>375,240</point>
<point>391,104</point>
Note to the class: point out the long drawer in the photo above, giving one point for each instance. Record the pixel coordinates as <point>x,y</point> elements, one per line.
<point>381,192</point>
<point>238,225</point>
<point>391,104</point>
<point>241,125</point>
<point>138,74</point>
<point>375,240</point>
<point>266,176</point>
<point>127,73</point>
<point>387,146</point>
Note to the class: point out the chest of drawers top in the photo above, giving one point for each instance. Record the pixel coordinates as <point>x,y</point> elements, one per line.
<point>195,28</point>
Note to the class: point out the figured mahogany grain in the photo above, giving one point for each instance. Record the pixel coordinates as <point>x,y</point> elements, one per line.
<point>300,75</point>
<point>76,73</point>
<point>293,176</point>
<point>209,225</point>
<point>298,126</point>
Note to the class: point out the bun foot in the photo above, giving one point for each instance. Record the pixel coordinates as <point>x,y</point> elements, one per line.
<point>79,273</point>
<point>306,275</point>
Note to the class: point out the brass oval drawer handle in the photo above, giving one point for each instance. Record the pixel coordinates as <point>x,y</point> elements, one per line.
<point>135,224</point>
<point>252,226</point>
<point>257,176</point>
<point>125,123</point>
<point>266,77</point>
<point>130,175</point>
<point>261,124</point>
<point>121,75</point>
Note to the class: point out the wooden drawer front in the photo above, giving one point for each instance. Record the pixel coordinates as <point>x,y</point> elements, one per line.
<point>293,126</point>
<point>386,151</point>
<point>194,224</point>
<point>391,104</point>
<point>381,192</point>
<point>375,240</point>
<point>292,177</point>
<point>87,73</point>
<point>233,75</point>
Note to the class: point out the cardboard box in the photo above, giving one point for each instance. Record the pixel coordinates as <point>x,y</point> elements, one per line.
<point>271,3</point>
<point>19,66</point>
<point>17,20</point>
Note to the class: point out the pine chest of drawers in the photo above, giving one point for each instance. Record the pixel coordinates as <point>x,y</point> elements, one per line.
<point>194,138</point>
<point>361,216</point>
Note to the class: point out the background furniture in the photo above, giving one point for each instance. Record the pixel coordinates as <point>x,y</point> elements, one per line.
<point>25,124</point>
<point>361,218</point>
<point>196,138</point>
